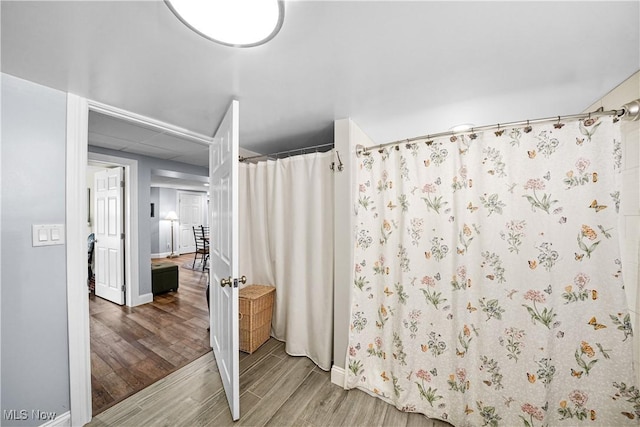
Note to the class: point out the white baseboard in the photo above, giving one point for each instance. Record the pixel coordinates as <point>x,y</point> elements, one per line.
<point>63,420</point>
<point>142,299</point>
<point>161,255</point>
<point>338,376</point>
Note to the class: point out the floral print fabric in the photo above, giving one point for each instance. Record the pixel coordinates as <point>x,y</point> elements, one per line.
<point>488,286</point>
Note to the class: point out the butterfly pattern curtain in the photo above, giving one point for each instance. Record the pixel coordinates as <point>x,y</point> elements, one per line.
<point>488,286</point>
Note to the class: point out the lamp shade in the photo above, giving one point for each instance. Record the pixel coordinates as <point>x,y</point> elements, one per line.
<point>172,216</point>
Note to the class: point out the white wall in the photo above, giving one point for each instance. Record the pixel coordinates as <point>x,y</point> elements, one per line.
<point>628,91</point>
<point>91,170</point>
<point>168,201</point>
<point>346,136</point>
<point>154,223</point>
<point>35,357</point>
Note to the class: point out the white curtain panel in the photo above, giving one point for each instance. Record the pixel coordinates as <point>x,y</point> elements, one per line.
<point>286,240</point>
<point>488,286</point>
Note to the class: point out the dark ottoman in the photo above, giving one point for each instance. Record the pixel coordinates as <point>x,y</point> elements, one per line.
<point>164,277</point>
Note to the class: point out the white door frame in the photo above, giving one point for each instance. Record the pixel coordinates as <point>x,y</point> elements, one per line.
<point>203,211</point>
<point>76,246</point>
<point>131,259</point>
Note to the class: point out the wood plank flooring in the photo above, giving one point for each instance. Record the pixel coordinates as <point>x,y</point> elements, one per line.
<point>132,348</point>
<point>275,390</point>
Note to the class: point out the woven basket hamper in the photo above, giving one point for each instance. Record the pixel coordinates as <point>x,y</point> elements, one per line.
<point>255,305</point>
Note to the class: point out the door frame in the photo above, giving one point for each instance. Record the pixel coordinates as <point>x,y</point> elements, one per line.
<point>203,210</point>
<point>76,148</point>
<point>131,257</point>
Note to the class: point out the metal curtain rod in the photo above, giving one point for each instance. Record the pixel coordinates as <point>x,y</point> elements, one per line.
<point>630,111</point>
<point>242,159</point>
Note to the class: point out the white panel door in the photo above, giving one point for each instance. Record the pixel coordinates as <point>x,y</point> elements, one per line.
<point>223,249</point>
<point>108,230</point>
<point>190,208</point>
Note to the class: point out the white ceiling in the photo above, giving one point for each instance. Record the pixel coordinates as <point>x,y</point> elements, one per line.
<point>117,134</point>
<point>398,69</point>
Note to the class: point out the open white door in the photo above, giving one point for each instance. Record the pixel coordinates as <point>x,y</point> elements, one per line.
<point>109,246</point>
<point>223,249</point>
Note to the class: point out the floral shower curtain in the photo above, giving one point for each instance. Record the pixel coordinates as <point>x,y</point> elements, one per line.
<point>488,286</point>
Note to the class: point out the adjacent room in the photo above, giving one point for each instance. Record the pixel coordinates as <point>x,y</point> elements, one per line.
<point>358,213</point>
<point>134,346</point>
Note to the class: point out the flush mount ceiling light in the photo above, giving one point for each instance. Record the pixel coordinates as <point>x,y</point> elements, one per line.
<point>237,23</point>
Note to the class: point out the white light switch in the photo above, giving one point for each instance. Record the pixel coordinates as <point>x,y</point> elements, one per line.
<point>47,234</point>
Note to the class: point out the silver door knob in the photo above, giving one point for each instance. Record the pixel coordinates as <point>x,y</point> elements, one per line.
<point>225,282</point>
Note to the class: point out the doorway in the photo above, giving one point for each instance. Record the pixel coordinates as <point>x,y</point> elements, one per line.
<point>192,213</point>
<point>106,231</point>
<point>77,156</point>
<point>131,262</point>
<point>134,346</point>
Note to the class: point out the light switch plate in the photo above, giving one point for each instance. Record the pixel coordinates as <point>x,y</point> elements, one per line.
<point>48,234</point>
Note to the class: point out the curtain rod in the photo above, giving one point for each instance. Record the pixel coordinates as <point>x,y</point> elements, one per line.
<point>630,111</point>
<point>242,159</point>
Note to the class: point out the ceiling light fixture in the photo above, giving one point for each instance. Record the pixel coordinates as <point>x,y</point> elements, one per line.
<point>237,23</point>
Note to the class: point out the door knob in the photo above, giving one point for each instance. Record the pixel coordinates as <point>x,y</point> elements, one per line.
<point>243,280</point>
<point>225,282</point>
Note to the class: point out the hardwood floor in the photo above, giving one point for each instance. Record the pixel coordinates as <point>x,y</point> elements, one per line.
<point>132,348</point>
<point>152,365</point>
<point>275,390</point>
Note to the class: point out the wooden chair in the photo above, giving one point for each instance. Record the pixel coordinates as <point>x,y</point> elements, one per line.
<point>205,236</point>
<point>202,245</point>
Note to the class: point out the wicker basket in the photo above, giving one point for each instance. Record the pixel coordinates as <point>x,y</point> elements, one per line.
<point>255,304</point>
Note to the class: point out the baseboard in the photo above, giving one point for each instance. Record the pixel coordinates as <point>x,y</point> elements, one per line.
<point>143,299</point>
<point>160,255</point>
<point>63,420</point>
<point>338,376</point>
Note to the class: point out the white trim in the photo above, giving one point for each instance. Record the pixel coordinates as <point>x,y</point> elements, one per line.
<point>76,248</point>
<point>1,88</point>
<point>161,255</point>
<point>132,257</point>
<point>145,299</point>
<point>63,420</point>
<point>338,376</point>
<point>130,116</point>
